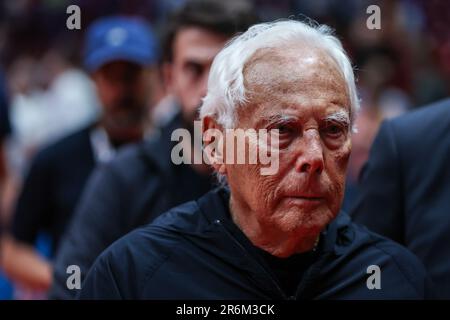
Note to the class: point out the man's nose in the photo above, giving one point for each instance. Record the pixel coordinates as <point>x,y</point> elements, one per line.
<point>311,161</point>
<point>122,87</point>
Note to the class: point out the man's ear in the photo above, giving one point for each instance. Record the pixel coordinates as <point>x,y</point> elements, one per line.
<point>213,144</point>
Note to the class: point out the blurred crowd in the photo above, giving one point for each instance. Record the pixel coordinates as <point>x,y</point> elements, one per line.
<point>47,91</point>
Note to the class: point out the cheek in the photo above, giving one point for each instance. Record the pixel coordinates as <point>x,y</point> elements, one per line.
<point>186,92</point>
<point>144,89</point>
<point>244,177</point>
<point>341,159</point>
<point>178,82</point>
<point>177,85</point>
<point>185,82</point>
<point>267,188</point>
<point>337,169</point>
<point>106,97</point>
<point>257,191</point>
<point>102,89</point>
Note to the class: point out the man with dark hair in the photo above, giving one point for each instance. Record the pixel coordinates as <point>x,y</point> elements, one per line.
<point>186,53</point>
<point>143,182</point>
<point>119,55</point>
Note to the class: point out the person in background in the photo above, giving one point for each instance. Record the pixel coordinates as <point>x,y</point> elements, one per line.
<point>120,55</point>
<point>51,98</point>
<point>404,188</point>
<point>5,130</point>
<point>142,182</point>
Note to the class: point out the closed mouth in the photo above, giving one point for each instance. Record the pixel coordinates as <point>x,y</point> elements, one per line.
<point>306,198</point>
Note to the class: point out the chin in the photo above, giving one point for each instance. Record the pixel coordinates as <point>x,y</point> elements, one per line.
<point>310,222</point>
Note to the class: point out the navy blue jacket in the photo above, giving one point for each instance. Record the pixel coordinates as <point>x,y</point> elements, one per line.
<point>139,184</point>
<point>405,188</point>
<point>52,187</point>
<point>195,251</point>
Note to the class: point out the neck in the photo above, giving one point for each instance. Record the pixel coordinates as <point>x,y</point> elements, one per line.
<point>267,236</point>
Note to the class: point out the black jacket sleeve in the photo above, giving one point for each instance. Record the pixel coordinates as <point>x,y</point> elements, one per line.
<point>100,282</point>
<point>126,267</point>
<point>34,206</point>
<point>379,205</point>
<point>95,225</point>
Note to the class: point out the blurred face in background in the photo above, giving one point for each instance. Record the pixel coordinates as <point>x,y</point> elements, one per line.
<point>186,76</point>
<point>124,91</point>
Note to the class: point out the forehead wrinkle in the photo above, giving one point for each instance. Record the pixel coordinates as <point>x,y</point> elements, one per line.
<point>272,72</point>
<point>259,69</point>
<point>267,81</point>
<point>256,71</point>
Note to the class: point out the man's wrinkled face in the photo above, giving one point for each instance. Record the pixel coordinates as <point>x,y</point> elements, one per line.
<point>301,93</point>
<point>194,50</point>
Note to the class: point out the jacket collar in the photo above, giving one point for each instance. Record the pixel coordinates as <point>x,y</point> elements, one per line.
<point>334,238</point>
<point>233,246</point>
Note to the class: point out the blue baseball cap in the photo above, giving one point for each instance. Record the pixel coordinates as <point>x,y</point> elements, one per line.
<point>119,38</point>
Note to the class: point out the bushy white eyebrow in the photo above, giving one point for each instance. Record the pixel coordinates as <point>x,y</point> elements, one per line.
<point>340,116</point>
<point>280,118</point>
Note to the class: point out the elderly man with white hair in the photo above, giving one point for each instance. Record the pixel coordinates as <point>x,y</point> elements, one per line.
<point>276,235</point>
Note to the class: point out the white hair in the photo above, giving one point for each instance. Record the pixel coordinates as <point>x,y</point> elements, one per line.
<point>226,89</point>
